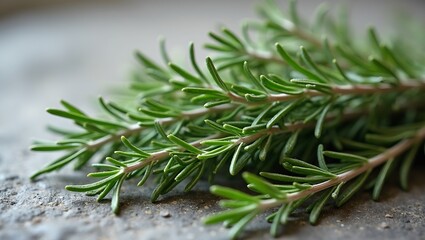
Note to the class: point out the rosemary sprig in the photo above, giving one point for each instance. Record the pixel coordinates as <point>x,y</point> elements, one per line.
<point>324,111</point>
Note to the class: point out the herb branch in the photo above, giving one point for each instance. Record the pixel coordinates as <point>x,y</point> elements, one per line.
<point>306,120</point>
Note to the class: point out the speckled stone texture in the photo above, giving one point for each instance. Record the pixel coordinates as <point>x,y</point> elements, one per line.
<point>81,50</point>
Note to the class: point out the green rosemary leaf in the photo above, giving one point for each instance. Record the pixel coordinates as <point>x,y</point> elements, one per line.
<point>216,142</point>
<point>116,162</point>
<point>317,208</point>
<point>345,156</point>
<point>360,145</point>
<point>72,108</point>
<point>110,110</point>
<point>223,41</point>
<point>233,129</point>
<point>155,105</point>
<point>217,126</point>
<point>301,186</point>
<point>215,75</point>
<point>216,103</point>
<point>95,192</point>
<point>263,186</point>
<point>218,48</point>
<point>320,121</point>
<point>353,58</point>
<point>59,163</point>
<point>171,163</point>
<point>307,171</point>
<point>104,166</point>
<point>83,159</point>
<point>274,229</point>
<point>185,74</point>
<point>207,91</point>
<point>57,147</point>
<point>128,154</point>
<point>285,56</point>
<point>216,152</point>
<point>187,171</point>
<point>102,174</point>
<point>252,78</point>
<point>337,190</point>
<point>83,119</point>
<point>147,173</point>
<point>95,185</point>
<point>277,87</point>
<point>222,159</point>
<point>203,98</point>
<point>290,144</point>
<point>231,115</point>
<point>384,68</point>
<point>165,182</point>
<point>231,193</point>
<point>132,147</point>
<point>282,113</point>
<point>230,214</point>
<point>255,98</point>
<point>195,178</point>
<point>289,178</point>
<point>383,174</point>
<point>241,90</point>
<point>158,114</point>
<point>255,128</point>
<point>193,60</point>
<point>233,36</point>
<point>406,165</point>
<point>255,144</point>
<point>317,85</point>
<point>160,130</point>
<point>292,5</point>
<point>147,62</point>
<point>163,50</point>
<point>240,225</point>
<point>94,129</point>
<point>300,163</point>
<point>287,209</point>
<point>232,62</point>
<point>306,57</point>
<point>321,158</point>
<point>373,37</point>
<point>239,161</point>
<point>105,191</point>
<point>404,67</point>
<point>184,144</point>
<point>116,195</point>
<point>265,149</point>
<point>354,187</point>
<point>341,71</point>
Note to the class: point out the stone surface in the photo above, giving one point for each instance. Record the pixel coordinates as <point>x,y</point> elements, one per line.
<point>76,52</point>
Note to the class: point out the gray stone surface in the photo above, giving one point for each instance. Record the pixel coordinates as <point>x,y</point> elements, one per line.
<point>79,51</point>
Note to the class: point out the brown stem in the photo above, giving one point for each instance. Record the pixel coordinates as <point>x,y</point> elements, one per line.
<point>289,127</point>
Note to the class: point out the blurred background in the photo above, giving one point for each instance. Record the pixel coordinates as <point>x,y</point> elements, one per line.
<point>77,50</point>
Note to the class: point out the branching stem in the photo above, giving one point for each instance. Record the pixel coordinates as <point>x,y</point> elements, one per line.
<point>157,156</point>
<point>136,128</point>
<point>289,127</point>
<point>373,162</point>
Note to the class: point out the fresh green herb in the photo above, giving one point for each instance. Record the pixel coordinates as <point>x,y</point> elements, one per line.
<point>329,116</point>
